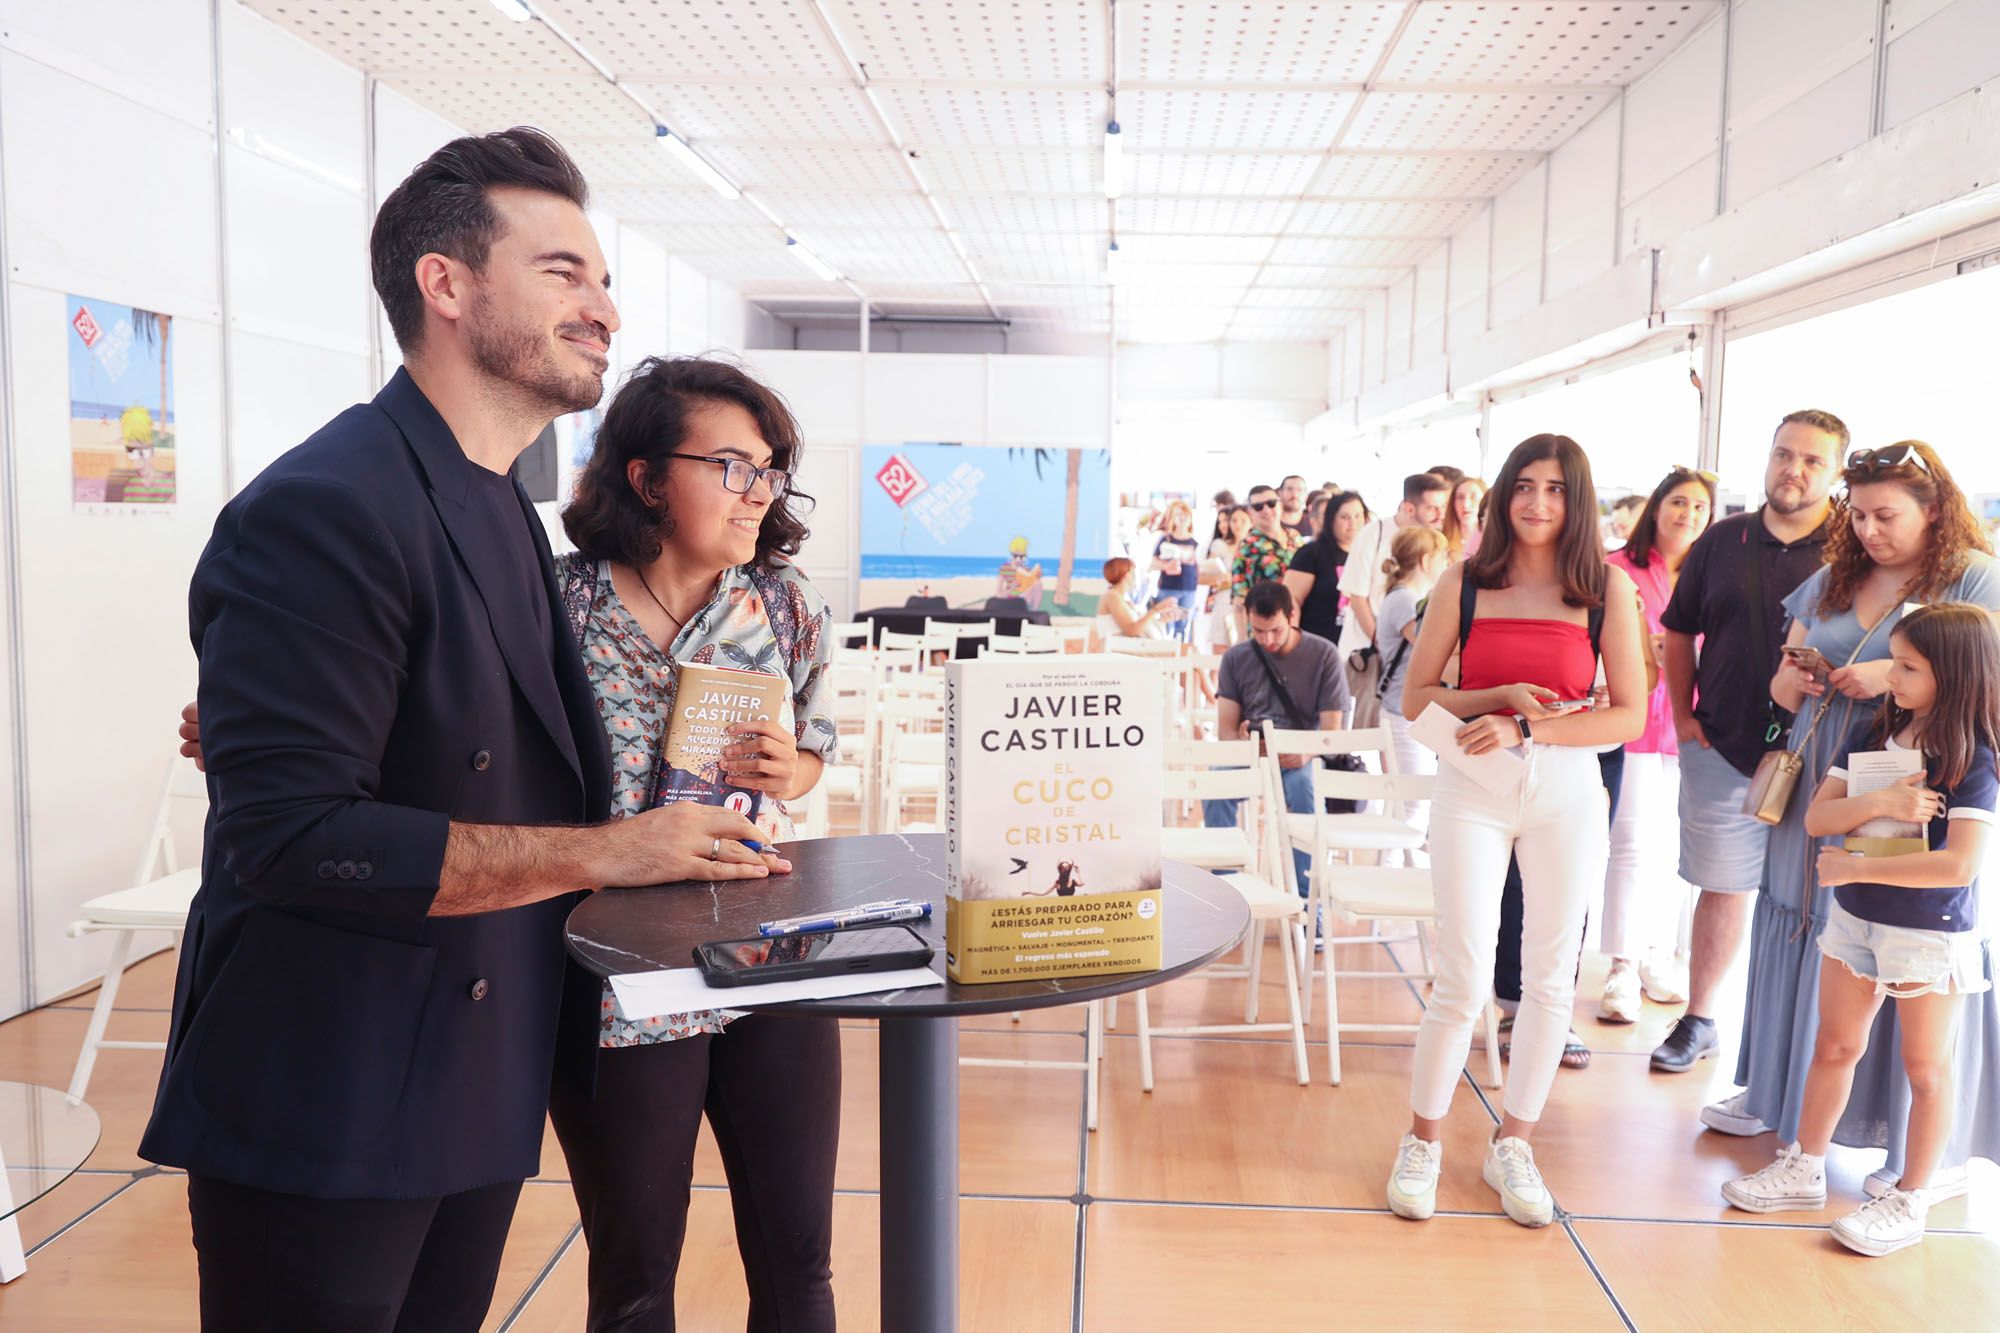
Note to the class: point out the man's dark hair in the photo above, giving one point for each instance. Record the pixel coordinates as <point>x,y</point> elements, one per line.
<point>1419,484</point>
<point>1818,420</point>
<point>1269,598</point>
<point>648,420</point>
<point>1256,491</point>
<point>444,207</point>
<point>1628,502</point>
<point>1452,475</point>
<point>1224,499</point>
<point>1294,477</point>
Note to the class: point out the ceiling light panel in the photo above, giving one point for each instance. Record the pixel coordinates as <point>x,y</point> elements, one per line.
<point>1162,213</point>
<point>424,37</point>
<point>997,117</point>
<point>764,113</point>
<point>1056,41</point>
<point>1263,42</point>
<point>1221,173</point>
<point>1324,218</point>
<point>1009,170</point>
<point>1575,42</point>
<point>676,41</point>
<point>1460,175</point>
<point>1262,120</point>
<point>808,166</point>
<point>1508,122</point>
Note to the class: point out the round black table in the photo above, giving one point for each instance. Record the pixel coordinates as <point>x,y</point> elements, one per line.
<point>635,930</point>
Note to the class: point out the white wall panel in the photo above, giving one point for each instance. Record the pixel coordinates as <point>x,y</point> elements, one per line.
<point>1517,246</point>
<point>1427,337</point>
<point>1937,53</point>
<point>1673,116</point>
<point>1471,248</point>
<point>726,319</point>
<point>298,255</point>
<point>156,53</point>
<point>823,390</point>
<point>405,134</point>
<point>1583,204</point>
<point>1821,124</point>
<point>1049,400</point>
<point>281,392</point>
<point>1274,370</point>
<point>687,308</point>
<point>291,100</point>
<point>1670,209</point>
<point>1374,339</point>
<point>922,397</point>
<point>831,474</point>
<point>1400,311</point>
<point>1781,50</point>
<point>639,285</point>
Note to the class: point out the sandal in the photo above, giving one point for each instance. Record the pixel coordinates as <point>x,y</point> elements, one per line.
<point>1575,1054</point>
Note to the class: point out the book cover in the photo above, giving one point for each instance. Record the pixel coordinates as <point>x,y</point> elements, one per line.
<point>708,701</point>
<point>1052,817</point>
<point>1872,770</point>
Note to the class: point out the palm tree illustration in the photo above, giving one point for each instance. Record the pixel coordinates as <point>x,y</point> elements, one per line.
<point>1072,489</point>
<point>151,325</point>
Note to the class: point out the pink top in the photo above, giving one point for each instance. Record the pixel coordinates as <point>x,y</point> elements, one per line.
<point>1655,587</point>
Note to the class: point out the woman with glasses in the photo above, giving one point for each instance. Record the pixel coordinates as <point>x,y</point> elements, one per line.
<point>1908,537</point>
<point>1677,512</point>
<point>685,521</point>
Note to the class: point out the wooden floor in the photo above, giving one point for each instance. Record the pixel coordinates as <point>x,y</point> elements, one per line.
<point>1228,1199</point>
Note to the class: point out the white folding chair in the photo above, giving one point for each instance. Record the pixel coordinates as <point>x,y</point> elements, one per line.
<point>912,756</point>
<point>1217,848</point>
<point>158,899</point>
<point>854,687</point>
<point>1073,632</point>
<point>1271,899</point>
<point>1092,1063</point>
<point>852,633</point>
<point>1137,647</point>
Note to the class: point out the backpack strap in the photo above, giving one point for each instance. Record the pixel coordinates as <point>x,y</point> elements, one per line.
<point>1468,600</point>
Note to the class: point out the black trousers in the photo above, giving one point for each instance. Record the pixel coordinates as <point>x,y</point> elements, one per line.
<point>771,1090</point>
<point>1507,955</point>
<point>283,1263</point>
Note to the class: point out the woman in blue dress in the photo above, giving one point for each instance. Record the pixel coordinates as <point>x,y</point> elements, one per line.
<point>1907,537</point>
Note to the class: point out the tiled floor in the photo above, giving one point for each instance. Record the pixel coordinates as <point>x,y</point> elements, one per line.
<point>1230,1198</point>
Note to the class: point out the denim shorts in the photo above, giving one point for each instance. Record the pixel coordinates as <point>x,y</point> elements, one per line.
<point>1722,849</point>
<point>1903,961</point>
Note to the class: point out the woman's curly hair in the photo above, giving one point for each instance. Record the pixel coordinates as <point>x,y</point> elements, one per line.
<point>1955,532</point>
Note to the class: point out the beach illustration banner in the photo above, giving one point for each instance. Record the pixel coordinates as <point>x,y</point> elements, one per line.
<point>121,415</point>
<point>966,523</point>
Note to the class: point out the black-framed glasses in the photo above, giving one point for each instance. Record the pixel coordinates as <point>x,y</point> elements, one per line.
<point>740,474</point>
<point>1256,505</point>
<point>1894,455</point>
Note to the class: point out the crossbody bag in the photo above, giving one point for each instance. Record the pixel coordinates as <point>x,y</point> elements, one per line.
<point>1777,775</point>
<point>1297,717</point>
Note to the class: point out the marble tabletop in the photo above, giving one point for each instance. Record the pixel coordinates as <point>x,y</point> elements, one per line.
<point>640,930</point>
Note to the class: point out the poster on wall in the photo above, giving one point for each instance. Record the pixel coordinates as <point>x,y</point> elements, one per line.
<point>122,426</point>
<point>967,523</point>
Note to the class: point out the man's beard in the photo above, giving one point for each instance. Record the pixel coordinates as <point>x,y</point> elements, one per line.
<point>1788,508</point>
<point>521,356</point>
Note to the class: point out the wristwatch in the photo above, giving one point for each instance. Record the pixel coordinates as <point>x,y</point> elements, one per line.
<point>1527,733</point>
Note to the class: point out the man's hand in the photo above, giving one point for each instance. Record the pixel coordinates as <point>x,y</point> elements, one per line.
<point>191,737</point>
<point>686,840</point>
<point>1293,760</point>
<point>1688,731</point>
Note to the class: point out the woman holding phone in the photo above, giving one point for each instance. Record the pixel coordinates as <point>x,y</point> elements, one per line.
<point>1908,537</point>
<point>1538,605</point>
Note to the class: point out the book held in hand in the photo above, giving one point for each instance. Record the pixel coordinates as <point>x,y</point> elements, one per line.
<point>1052,817</point>
<point>708,701</point>
<point>1873,770</point>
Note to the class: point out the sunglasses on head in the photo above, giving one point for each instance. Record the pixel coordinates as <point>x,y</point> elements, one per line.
<point>1895,455</point>
<point>1256,505</point>
<point>1708,477</point>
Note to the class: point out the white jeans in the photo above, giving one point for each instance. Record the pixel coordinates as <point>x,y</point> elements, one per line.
<point>1412,756</point>
<point>1554,822</point>
<point>1642,899</point>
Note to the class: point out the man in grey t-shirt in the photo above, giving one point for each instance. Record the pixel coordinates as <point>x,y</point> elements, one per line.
<point>1246,697</point>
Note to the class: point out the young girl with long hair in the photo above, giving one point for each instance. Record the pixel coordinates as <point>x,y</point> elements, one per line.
<point>1904,925</point>
<point>1542,605</point>
<point>1418,557</point>
<point>1677,512</point>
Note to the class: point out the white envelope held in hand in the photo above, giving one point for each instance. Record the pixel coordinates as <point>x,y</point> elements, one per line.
<point>1499,771</point>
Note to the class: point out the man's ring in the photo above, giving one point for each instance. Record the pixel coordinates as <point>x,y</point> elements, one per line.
<point>715,849</point>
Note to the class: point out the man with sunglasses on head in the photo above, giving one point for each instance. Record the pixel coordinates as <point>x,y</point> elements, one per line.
<point>1729,598</point>
<point>1265,552</point>
<point>1364,582</point>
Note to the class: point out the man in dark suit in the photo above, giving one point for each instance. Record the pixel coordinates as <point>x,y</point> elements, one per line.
<point>408,782</point>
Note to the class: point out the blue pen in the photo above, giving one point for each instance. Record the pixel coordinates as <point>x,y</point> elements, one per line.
<point>868,914</point>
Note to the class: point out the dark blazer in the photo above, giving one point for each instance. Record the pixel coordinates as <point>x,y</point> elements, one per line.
<point>364,682</point>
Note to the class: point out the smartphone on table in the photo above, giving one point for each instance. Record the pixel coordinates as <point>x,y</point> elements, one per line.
<point>825,953</point>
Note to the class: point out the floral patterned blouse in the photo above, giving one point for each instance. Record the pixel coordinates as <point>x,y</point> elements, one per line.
<point>1261,559</point>
<point>760,619</point>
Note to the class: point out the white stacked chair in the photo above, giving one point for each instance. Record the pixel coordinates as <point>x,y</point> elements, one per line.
<point>913,756</point>
<point>852,634</point>
<point>856,686</point>
<point>1137,647</point>
<point>1267,890</point>
<point>158,899</point>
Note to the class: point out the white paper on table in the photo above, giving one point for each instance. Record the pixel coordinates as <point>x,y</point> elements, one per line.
<point>1498,770</point>
<point>1872,770</point>
<point>680,990</point>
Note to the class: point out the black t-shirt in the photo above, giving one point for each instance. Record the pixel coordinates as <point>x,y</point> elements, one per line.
<point>1712,600</point>
<point>491,496</point>
<point>1323,560</point>
<point>1188,551</point>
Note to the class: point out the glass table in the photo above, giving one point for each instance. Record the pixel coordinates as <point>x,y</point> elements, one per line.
<point>44,1138</point>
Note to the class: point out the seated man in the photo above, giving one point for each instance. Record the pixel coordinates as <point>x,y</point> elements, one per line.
<point>1285,676</point>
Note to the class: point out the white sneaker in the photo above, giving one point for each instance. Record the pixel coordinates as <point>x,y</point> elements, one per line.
<point>1621,994</point>
<point>1664,981</point>
<point>1790,1182</point>
<point>1413,1181</point>
<point>1733,1117</point>
<point>1947,1182</point>
<point>1882,1226</point>
<point>1510,1169</point>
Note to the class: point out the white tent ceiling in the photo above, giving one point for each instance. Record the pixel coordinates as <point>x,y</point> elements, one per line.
<point>1283,158</point>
